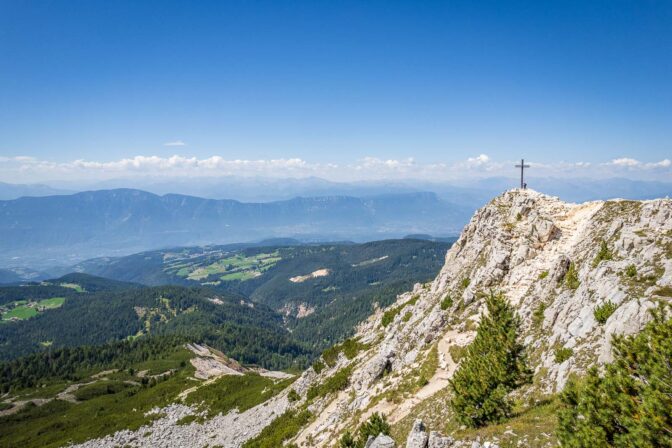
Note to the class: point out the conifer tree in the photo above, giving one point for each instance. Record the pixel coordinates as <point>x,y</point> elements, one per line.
<point>494,365</point>
<point>631,404</point>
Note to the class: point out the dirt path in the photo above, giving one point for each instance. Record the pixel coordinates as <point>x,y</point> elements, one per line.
<point>441,377</point>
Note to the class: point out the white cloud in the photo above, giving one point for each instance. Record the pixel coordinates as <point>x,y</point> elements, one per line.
<point>626,162</point>
<point>29,169</point>
<point>630,163</point>
<point>479,160</point>
<point>175,143</point>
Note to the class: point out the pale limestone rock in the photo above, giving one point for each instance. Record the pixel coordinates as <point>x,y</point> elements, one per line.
<point>436,440</point>
<point>382,441</point>
<point>418,436</point>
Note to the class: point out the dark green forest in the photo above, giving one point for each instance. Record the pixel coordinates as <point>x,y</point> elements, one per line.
<point>360,275</point>
<point>107,323</point>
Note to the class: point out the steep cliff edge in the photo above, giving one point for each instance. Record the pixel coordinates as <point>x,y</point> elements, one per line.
<point>557,263</point>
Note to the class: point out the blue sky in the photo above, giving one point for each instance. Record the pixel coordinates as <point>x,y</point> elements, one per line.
<point>333,84</point>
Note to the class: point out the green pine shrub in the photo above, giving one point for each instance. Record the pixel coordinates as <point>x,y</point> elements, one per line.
<point>351,347</point>
<point>457,352</point>
<point>389,315</point>
<point>347,441</point>
<point>330,355</point>
<point>413,300</point>
<point>293,396</point>
<point>465,282</point>
<point>572,277</point>
<point>337,382</point>
<point>603,254</point>
<point>631,271</point>
<point>407,317</point>
<point>543,275</point>
<point>629,405</point>
<point>281,429</point>
<point>318,366</point>
<point>562,354</point>
<point>538,315</point>
<point>604,311</point>
<point>447,302</point>
<point>494,364</point>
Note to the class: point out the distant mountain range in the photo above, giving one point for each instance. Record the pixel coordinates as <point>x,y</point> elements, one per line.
<point>473,193</point>
<point>14,191</point>
<point>48,226</point>
<point>61,230</point>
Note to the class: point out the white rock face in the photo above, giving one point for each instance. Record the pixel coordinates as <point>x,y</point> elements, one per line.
<point>522,244</point>
<point>527,246</point>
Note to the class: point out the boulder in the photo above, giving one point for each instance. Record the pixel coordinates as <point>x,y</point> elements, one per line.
<point>436,440</point>
<point>418,437</point>
<point>382,441</point>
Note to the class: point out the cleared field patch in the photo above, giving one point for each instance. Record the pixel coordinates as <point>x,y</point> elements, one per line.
<point>24,309</point>
<point>54,302</point>
<point>242,276</point>
<point>237,267</point>
<point>74,286</point>
<point>20,312</point>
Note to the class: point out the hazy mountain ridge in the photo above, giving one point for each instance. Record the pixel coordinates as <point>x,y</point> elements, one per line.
<point>51,230</point>
<point>469,192</point>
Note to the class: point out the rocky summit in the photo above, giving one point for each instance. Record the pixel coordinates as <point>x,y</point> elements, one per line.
<point>576,274</point>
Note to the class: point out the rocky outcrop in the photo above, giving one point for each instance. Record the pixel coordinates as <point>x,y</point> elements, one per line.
<point>382,441</point>
<point>542,254</point>
<point>418,436</point>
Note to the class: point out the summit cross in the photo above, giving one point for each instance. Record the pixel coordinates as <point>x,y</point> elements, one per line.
<point>522,167</point>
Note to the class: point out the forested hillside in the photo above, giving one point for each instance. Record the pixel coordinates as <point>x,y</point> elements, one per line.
<point>307,284</point>
<point>93,311</point>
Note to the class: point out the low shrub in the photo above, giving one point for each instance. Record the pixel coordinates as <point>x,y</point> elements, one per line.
<point>604,311</point>
<point>293,396</point>
<point>337,382</point>
<point>101,388</point>
<point>562,354</point>
<point>457,352</point>
<point>543,275</point>
<point>447,302</point>
<point>572,277</point>
<point>318,366</point>
<point>538,315</point>
<point>627,403</point>
<point>389,315</point>
<point>281,429</point>
<point>603,254</point>
<point>631,271</point>
<point>330,355</point>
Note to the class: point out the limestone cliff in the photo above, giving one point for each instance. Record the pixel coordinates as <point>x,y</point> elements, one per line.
<point>548,258</point>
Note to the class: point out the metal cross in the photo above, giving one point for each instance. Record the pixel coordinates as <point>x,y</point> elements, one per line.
<point>522,167</point>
